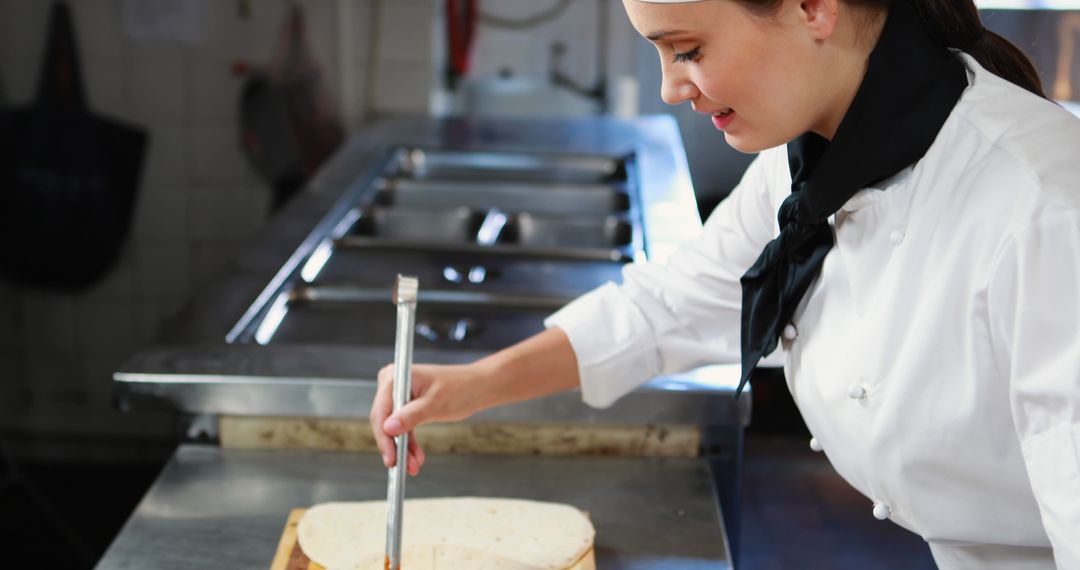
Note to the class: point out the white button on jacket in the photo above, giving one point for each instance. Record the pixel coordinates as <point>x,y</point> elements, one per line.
<point>967,336</point>
<point>856,392</point>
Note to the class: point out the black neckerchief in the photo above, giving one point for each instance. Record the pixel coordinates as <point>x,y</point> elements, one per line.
<point>911,85</point>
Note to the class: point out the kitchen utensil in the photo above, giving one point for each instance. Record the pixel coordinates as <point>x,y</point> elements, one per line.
<point>405,292</point>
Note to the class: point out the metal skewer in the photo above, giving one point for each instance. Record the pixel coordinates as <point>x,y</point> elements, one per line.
<point>405,293</point>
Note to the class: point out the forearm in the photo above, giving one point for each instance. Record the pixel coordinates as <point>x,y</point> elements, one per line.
<point>538,366</point>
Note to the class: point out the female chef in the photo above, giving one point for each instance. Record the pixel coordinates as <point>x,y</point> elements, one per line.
<point>909,235</point>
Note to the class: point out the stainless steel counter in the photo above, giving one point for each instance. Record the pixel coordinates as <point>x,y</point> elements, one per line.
<point>215,508</point>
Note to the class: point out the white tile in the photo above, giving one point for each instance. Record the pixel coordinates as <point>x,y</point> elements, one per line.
<point>251,211</point>
<point>106,325</point>
<point>99,30</point>
<point>162,214</point>
<point>322,31</point>
<point>215,15</point>
<point>168,55</point>
<point>118,283</point>
<point>23,25</point>
<point>258,207</point>
<point>213,92</point>
<point>405,32</point>
<point>360,29</point>
<point>579,37</point>
<point>54,378</point>
<point>214,156</point>
<point>230,37</point>
<point>330,79</point>
<point>107,90</point>
<point>354,99</point>
<point>210,262</point>
<point>170,309</point>
<point>149,316</point>
<point>621,41</point>
<point>220,212</point>
<point>410,13</point>
<point>500,50</point>
<point>97,375</point>
<point>403,90</point>
<point>263,32</point>
<point>166,157</point>
<point>50,322</point>
<point>157,93</point>
<point>20,75</point>
<point>257,39</point>
<point>11,324</point>
<point>163,271</point>
<point>530,54</point>
<point>12,386</point>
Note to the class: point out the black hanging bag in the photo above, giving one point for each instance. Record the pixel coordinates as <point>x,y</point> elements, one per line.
<point>68,177</point>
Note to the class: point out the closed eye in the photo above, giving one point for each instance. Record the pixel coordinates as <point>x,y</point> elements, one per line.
<point>684,57</point>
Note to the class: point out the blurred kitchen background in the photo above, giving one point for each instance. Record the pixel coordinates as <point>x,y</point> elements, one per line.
<point>72,466</point>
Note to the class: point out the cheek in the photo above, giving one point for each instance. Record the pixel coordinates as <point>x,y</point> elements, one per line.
<point>771,116</point>
<point>730,82</point>
<point>720,89</point>
<point>774,95</point>
<point>791,106</point>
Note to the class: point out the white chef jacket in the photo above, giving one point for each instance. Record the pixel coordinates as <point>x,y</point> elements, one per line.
<point>936,358</point>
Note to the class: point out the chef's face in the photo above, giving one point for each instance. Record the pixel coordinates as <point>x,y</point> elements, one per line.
<point>756,76</point>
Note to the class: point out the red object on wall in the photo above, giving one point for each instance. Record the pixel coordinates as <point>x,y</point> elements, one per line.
<point>461,20</point>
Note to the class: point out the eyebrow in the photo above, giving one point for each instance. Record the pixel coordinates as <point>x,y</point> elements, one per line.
<point>661,35</point>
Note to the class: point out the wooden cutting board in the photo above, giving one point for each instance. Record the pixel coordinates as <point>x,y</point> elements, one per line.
<point>290,557</point>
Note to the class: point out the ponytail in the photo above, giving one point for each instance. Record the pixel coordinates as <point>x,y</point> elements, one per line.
<point>954,24</point>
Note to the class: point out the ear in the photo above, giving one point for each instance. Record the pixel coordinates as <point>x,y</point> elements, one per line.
<point>819,16</point>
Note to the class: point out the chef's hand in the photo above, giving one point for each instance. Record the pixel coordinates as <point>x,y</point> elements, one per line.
<point>537,366</point>
<point>438,394</point>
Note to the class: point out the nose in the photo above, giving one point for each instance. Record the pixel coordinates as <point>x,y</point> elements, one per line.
<point>676,87</point>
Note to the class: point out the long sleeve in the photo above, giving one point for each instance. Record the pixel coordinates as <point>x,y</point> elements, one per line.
<point>674,317</point>
<point>1034,306</point>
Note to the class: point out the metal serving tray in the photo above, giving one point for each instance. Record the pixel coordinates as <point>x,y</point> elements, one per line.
<point>366,317</point>
<point>567,199</point>
<point>455,225</point>
<point>532,230</point>
<point>450,164</point>
<point>491,269</point>
<point>526,231</point>
<point>463,225</point>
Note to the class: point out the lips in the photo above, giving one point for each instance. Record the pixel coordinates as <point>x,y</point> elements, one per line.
<point>722,119</point>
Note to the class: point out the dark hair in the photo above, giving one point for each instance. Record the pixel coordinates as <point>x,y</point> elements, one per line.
<point>955,24</point>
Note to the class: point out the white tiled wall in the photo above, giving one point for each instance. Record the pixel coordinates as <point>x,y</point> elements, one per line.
<point>529,53</point>
<point>199,203</point>
<point>11,399</point>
